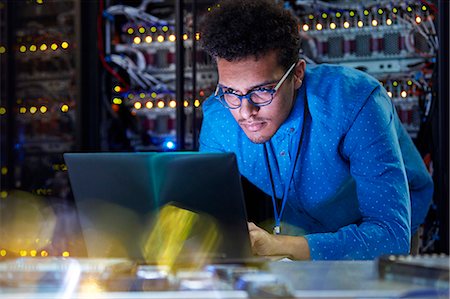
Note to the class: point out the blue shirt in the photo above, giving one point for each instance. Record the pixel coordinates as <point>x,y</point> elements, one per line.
<point>358,176</point>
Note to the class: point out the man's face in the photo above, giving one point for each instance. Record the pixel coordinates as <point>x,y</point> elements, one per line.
<point>260,123</point>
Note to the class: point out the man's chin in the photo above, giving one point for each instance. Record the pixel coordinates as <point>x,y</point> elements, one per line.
<point>256,137</point>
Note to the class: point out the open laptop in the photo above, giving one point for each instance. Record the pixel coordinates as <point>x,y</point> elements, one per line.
<point>174,208</point>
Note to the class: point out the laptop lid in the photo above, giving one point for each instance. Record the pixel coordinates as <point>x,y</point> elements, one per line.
<point>177,207</point>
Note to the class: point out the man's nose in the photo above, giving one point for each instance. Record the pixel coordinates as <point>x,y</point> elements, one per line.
<point>247,109</point>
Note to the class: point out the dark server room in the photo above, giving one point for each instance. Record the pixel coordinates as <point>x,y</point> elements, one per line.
<point>224,149</point>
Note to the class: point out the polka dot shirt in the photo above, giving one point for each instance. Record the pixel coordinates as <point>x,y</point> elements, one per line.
<point>359,187</point>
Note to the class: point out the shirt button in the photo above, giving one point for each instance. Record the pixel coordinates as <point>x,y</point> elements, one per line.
<point>292,130</point>
<point>282,153</point>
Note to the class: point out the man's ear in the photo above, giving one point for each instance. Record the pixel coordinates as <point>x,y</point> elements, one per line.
<point>299,73</point>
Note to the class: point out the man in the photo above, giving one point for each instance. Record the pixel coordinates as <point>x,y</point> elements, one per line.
<point>325,142</point>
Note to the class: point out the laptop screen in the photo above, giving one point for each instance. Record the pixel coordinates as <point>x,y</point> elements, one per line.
<point>177,207</point>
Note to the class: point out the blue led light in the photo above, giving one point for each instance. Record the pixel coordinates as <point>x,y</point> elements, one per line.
<point>169,145</point>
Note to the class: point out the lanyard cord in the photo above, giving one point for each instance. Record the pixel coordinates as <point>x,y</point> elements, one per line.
<point>297,150</point>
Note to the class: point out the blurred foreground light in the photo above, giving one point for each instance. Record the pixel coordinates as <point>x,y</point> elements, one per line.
<point>25,218</point>
<point>64,45</point>
<point>172,104</point>
<point>137,105</point>
<point>149,105</point>
<point>3,252</point>
<point>65,254</point>
<point>168,240</point>
<point>196,103</point>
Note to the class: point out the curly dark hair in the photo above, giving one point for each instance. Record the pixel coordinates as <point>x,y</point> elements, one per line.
<point>236,29</point>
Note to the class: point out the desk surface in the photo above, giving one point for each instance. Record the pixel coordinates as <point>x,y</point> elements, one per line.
<point>117,279</point>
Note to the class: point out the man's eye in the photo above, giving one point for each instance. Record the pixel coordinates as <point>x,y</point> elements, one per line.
<point>264,89</point>
<point>229,91</point>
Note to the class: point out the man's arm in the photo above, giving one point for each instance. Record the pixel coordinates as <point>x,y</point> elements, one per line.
<point>419,180</point>
<point>372,149</point>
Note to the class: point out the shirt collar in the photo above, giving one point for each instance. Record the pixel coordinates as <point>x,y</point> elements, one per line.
<point>293,122</point>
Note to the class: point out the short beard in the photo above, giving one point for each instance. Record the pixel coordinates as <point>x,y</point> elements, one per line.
<point>258,139</point>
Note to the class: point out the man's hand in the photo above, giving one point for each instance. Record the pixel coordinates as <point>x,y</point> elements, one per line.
<point>266,244</point>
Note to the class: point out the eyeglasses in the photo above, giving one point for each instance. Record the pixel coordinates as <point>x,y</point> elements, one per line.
<point>258,97</point>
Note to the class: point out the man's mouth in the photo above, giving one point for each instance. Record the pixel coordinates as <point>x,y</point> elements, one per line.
<point>254,126</point>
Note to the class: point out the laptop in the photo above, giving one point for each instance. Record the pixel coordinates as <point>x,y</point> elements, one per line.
<point>161,208</point>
